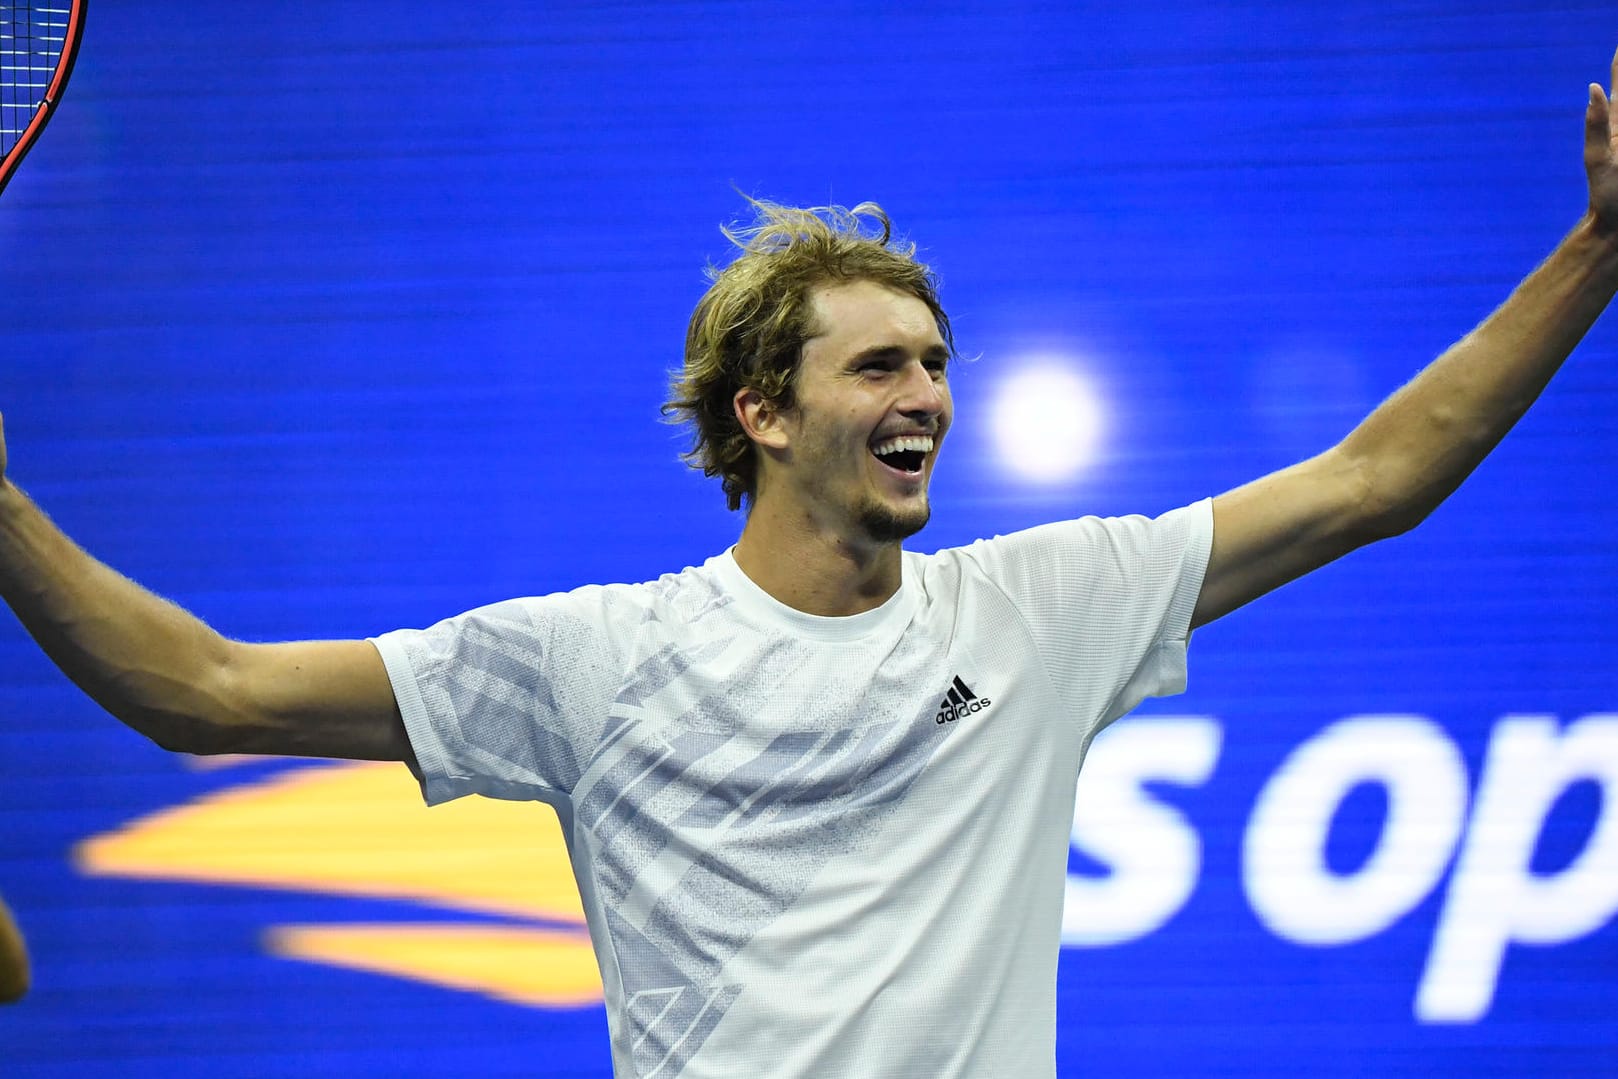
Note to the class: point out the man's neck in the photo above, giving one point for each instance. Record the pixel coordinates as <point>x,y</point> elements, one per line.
<point>813,569</point>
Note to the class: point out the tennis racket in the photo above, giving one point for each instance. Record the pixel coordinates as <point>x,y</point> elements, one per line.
<point>39,40</point>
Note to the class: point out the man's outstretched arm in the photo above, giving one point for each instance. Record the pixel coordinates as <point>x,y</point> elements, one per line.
<point>168,675</point>
<point>1414,449</point>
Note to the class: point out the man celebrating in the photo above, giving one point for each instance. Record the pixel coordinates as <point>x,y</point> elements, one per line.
<point>817,791</point>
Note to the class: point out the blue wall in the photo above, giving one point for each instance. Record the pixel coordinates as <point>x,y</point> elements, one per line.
<point>326,320</point>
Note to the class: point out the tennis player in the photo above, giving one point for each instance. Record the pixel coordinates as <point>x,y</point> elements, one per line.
<point>817,791</point>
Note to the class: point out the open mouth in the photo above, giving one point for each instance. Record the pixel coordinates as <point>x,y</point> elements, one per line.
<point>906,461</point>
<point>905,453</point>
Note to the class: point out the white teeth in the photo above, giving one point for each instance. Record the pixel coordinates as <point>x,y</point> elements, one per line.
<point>912,443</point>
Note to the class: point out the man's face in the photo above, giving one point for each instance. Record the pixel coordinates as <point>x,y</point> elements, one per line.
<point>871,407</point>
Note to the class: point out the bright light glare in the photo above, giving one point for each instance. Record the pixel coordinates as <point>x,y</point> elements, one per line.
<point>1046,422</point>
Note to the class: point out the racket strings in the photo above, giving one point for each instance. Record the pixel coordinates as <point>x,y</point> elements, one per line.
<point>32,37</point>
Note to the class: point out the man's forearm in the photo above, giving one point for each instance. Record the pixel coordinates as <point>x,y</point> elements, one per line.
<point>142,658</point>
<point>1419,445</point>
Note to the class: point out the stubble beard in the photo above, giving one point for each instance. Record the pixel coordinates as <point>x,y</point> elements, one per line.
<point>884,524</point>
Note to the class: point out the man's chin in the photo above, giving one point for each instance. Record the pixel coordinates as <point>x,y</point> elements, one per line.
<point>887,524</point>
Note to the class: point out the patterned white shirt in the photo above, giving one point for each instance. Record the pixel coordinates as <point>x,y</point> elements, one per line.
<point>813,846</point>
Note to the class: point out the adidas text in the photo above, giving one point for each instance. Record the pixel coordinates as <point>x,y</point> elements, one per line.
<point>956,711</point>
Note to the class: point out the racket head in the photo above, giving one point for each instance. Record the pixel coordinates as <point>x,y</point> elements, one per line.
<point>39,42</point>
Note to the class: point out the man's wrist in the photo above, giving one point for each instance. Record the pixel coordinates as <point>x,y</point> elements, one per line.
<point>1599,229</point>
<point>1596,244</point>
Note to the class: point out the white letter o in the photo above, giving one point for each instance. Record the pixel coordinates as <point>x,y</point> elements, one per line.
<point>1292,889</point>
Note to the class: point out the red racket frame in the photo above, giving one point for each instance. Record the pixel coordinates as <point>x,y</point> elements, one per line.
<point>53,92</point>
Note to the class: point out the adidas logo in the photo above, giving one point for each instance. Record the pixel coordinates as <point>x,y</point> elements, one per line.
<point>960,701</point>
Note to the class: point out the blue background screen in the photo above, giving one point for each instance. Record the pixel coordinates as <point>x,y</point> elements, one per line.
<point>327,320</point>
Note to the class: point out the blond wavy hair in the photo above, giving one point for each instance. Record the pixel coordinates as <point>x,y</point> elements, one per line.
<point>749,328</point>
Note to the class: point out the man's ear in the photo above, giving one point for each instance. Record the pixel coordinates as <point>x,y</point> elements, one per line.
<point>761,418</point>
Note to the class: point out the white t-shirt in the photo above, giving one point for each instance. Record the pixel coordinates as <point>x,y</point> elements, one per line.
<point>815,846</point>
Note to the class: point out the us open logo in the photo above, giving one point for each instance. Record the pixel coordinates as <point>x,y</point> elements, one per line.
<point>960,701</point>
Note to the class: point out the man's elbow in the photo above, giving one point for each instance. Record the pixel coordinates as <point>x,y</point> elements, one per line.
<point>1389,499</point>
<point>185,730</point>
<point>1395,518</point>
<point>216,712</point>
<point>1401,481</point>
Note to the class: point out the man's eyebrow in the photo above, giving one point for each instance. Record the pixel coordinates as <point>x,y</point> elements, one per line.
<point>878,352</point>
<point>898,352</point>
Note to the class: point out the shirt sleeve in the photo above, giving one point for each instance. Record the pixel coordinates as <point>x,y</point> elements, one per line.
<point>507,700</point>
<point>1108,601</point>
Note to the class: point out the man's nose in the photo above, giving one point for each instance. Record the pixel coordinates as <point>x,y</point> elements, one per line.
<point>923,391</point>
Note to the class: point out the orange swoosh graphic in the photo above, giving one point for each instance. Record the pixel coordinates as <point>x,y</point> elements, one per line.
<point>534,967</point>
<point>360,829</point>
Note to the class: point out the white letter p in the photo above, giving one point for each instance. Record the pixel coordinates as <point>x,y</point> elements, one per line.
<point>1494,898</point>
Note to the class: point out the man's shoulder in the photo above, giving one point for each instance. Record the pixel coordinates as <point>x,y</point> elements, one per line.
<point>1085,544</point>
<point>678,595</point>
<point>1089,530</point>
<point>979,556</point>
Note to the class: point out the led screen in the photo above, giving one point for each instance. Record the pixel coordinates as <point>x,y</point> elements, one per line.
<point>324,321</point>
